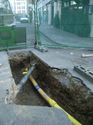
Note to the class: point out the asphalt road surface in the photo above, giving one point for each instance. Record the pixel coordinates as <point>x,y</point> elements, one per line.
<point>30,38</point>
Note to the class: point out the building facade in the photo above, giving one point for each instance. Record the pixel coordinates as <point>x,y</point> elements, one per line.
<point>19,6</point>
<point>6,15</point>
<point>68,15</point>
<point>91,17</point>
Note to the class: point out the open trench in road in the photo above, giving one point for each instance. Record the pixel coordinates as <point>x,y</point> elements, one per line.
<point>68,91</point>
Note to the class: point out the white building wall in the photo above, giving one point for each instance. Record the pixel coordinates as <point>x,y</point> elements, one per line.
<point>59,9</point>
<point>91,20</point>
<point>49,14</point>
<point>42,3</point>
<point>55,8</point>
<point>19,6</point>
<point>12,4</point>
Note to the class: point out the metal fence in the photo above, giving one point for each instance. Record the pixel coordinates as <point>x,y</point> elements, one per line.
<point>12,38</point>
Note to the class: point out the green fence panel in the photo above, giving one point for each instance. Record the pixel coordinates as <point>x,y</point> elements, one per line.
<point>7,36</point>
<point>75,21</point>
<point>20,33</point>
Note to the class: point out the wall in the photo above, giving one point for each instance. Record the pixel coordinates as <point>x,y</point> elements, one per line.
<point>54,9</point>
<point>91,19</point>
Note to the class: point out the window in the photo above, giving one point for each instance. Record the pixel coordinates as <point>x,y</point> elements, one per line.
<point>91,9</point>
<point>18,3</point>
<point>18,7</point>
<point>23,7</point>
<point>23,11</point>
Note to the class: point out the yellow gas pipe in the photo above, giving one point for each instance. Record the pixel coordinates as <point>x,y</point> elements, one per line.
<point>52,102</point>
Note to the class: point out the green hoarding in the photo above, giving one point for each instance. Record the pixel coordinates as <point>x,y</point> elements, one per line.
<point>7,36</point>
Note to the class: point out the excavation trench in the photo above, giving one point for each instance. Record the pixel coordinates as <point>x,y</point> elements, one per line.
<point>68,91</point>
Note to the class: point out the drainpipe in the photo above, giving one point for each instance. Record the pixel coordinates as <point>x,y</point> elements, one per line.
<point>91,17</point>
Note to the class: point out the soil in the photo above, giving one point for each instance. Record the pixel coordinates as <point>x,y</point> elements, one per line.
<point>68,91</point>
<point>28,95</point>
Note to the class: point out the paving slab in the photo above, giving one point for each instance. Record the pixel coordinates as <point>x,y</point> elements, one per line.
<point>67,58</point>
<point>6,79</point>
<point>28,115</point>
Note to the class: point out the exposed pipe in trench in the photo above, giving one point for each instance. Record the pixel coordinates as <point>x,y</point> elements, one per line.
<point>25,78</point>
<point>52,102</point>
<point>43,94</point>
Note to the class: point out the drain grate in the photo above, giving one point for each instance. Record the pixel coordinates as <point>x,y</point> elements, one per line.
<point>84,72</point>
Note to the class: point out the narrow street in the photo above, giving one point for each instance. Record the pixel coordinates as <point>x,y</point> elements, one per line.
<point>30,37</point>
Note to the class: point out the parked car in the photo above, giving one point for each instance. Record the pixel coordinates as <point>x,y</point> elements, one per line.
<point>24,20</point>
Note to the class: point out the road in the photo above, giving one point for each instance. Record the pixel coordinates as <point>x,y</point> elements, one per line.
<point>30,38</point>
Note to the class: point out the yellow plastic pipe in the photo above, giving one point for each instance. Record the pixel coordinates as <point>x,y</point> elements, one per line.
<point>52,102</point>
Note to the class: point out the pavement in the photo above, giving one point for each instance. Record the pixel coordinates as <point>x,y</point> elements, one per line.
<point>6,79</point>
<point>67,58</point>
<point>27,115</point>
<point>65,38</point>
